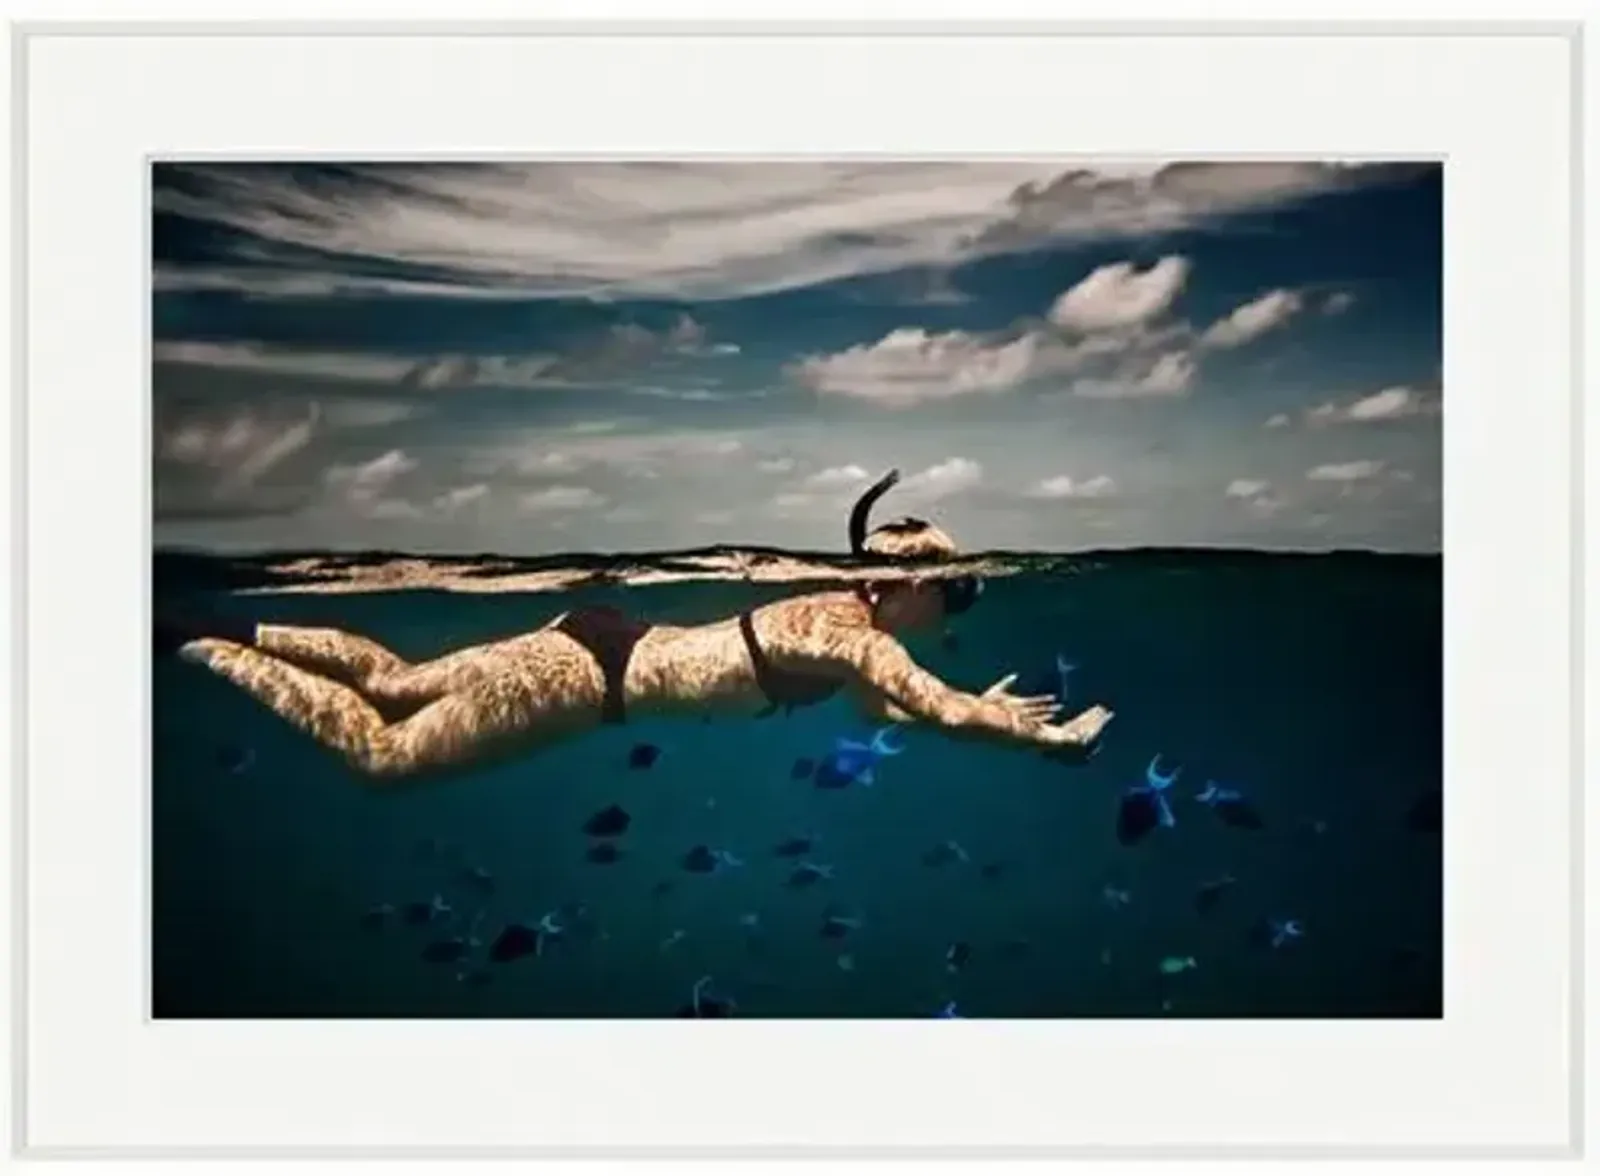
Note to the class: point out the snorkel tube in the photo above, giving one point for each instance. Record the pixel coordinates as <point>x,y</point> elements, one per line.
<point>863,508</point>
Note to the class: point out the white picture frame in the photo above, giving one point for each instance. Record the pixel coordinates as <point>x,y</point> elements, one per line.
<point>1498,1076</point>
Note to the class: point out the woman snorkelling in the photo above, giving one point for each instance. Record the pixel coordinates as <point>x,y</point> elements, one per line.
<point>392,720</point>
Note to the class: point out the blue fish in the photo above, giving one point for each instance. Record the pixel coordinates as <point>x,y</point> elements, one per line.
<point>1231,806</point>
<point>853,762</point>
<point>1274,932</point>
<point>1145,806</point>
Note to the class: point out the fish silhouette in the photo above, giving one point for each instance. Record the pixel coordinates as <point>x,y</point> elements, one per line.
<point>611,821</point>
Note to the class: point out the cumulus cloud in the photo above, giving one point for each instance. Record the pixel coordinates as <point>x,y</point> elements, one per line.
<point>952,476</point>
<point>1390,404</point>
<point>910,365</point>
<point>1120,295</point>
<point>676,230</point>
<point>1111,313</point>
<point>1346,471</point>
<point>1253,319</point>
<point>830,491</point>
<point>1278,420</point>
<point>1255,495</point>
<point>1170,374</point>
<point>559,499</point>
<point>836,478</point>
<point>1063,486</point>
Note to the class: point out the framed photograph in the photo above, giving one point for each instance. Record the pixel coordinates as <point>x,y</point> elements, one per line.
<point>1063,529</point>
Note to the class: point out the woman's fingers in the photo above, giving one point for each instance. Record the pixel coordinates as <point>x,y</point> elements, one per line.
<point>1001,687</point>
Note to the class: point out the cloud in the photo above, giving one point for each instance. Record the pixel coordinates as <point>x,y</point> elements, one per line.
<point>1278,420</point>
<point>951,476</point>
<point>363,486</point>
<point>1249,322</point>
<point>1255,495</point>
<point>642,230</point>
<point>1390,404</point>
<point>453,500</point>
<point>1063,486</point>
<point>558,499</point>
<point>1120,295</point>
<point>910,365</point>
<point>244,446</point>
<point>1101,201</point>
<point>831,491</point>
<point>259,357</point>
<point>568,451</point>
<point>211,467</point>
<point>673,230</point>
<point>836,478</point>
<point>1169,375</point>
<point>1338,302</point>
<point>776,465</point>
<point>1348,471</point>
<point>621,350</point>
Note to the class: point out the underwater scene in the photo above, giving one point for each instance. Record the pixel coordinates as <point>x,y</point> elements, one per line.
<point>1257,835</point>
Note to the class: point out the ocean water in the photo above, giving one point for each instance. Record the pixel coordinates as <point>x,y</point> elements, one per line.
<point>1312,683</point>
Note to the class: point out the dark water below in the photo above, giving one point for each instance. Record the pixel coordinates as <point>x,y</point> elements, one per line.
<point>1313,683</point>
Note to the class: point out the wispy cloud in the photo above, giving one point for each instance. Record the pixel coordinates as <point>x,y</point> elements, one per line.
<point>364,488</point>
<point>1345,471</point>
<point>1247,323</point>
<point>1338,302</point>
<point>678,230</point>
<point>1101,201</point>
<point>621,350</point>
<point>1390,404</point>
<point>558,499</point>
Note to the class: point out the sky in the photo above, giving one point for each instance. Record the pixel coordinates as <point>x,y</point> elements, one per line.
<point>528,358</point>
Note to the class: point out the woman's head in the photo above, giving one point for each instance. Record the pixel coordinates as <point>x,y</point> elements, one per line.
<point>918,600</point>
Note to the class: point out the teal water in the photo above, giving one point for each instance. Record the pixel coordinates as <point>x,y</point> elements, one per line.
<point>1314,684</point>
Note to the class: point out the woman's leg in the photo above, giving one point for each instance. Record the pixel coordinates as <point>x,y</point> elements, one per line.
<point>521,706</point>
<point>382,676</point>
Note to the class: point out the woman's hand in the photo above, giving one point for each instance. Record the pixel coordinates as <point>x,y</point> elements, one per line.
<point>1077,738</point>
<point>1035,708</point>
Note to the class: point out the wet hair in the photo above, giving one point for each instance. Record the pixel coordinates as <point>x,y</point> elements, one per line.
<point>910,539</point>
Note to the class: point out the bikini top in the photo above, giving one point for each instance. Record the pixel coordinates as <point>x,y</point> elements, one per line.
<point>785,689</point>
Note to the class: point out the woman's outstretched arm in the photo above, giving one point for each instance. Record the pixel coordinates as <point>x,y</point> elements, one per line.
<point>882,665</point>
